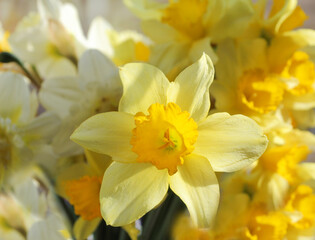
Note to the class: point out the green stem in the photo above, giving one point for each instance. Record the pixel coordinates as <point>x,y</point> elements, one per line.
<point>6,57</point>
<point>175,206</point>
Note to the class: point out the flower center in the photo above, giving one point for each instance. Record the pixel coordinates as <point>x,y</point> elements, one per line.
<point>260,93</point>
<point>283,160</point>
<point>164,136</point>
<point>84,194</point>
<point>186,17</point>
<point>302,200</point>
<point>300,70</point>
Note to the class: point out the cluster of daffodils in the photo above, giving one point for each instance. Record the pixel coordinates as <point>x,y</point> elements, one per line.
<point>198,128</point>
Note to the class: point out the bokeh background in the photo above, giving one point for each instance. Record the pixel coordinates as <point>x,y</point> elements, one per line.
<point>11,11</point>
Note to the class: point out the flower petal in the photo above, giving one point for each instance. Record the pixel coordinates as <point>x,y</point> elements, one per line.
<point>143,85</point>
<point>230,142</point>
<point>95,67</point>
<point>191,88</point>
<point>83,229</point>
<point>107,133</point>
<point>196,184</point>
<point>131,190</point>
<point>15,94</point>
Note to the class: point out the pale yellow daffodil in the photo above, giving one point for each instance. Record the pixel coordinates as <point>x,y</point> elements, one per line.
<point>268,82</point>
<point>120,46</point>
<point>184,29</point>
<point>162,137</point>
<point>271,21</point>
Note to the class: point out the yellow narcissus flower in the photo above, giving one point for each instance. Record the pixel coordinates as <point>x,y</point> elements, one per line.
<point>284,15</point>
<point>162,136</point>
<point>262,81</point>
<point>80,184</point>
<point>120,46</point>
<point>184,29</point>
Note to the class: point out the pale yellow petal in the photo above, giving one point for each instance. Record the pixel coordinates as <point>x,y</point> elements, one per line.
<point>107,133</point>
<point>75,171</point>
<point>132,230</point>
<point>143,85</point>
<point>98,162</point>
<point>145,9</point>
<point>230,142</point>
<point>191,88</point>
<point>131,190</point>
<point>82,228</point>
<point>202,46</point>
<point>196,184</point>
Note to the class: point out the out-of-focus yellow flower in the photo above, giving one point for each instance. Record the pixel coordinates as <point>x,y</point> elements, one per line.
<point>184,229</point>
<point>80,184</point>
<point>176,152</point>
<point>184,29</point>
<point>302,200</point>
<point>285,15</point>
<point>264,226</point>
<point>264,82</point>
<point>121,47</point>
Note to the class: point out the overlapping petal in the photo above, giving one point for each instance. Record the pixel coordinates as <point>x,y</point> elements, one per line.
<point>143,85</point>
<point>191,88</point>
<point>230,143</point>
<point>107,133</point>
<point>196,184</point>
<point>130,190</point>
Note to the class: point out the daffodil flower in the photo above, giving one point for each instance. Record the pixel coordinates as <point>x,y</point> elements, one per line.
<point>162,136</point>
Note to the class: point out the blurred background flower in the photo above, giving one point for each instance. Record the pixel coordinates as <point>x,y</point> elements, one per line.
<point>112,10</point>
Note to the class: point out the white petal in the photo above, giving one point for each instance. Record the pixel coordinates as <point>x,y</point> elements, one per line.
<point>15,98</point>
<point>95,67</point>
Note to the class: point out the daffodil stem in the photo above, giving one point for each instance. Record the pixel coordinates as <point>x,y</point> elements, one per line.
<point>158,222</point>
<point>123,235</point>
<point>175,206</point>
<point>6,57</point>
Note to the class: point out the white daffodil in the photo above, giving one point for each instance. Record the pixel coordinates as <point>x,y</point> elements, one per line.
<point>23,135</point>
<point>51,40</point>
<point>95,89</point>
<point>30,209</point>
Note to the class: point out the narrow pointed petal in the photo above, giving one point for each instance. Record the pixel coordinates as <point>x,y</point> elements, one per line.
<point>191,88</point>
<point>131,190</point>
<point>196,184</point>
